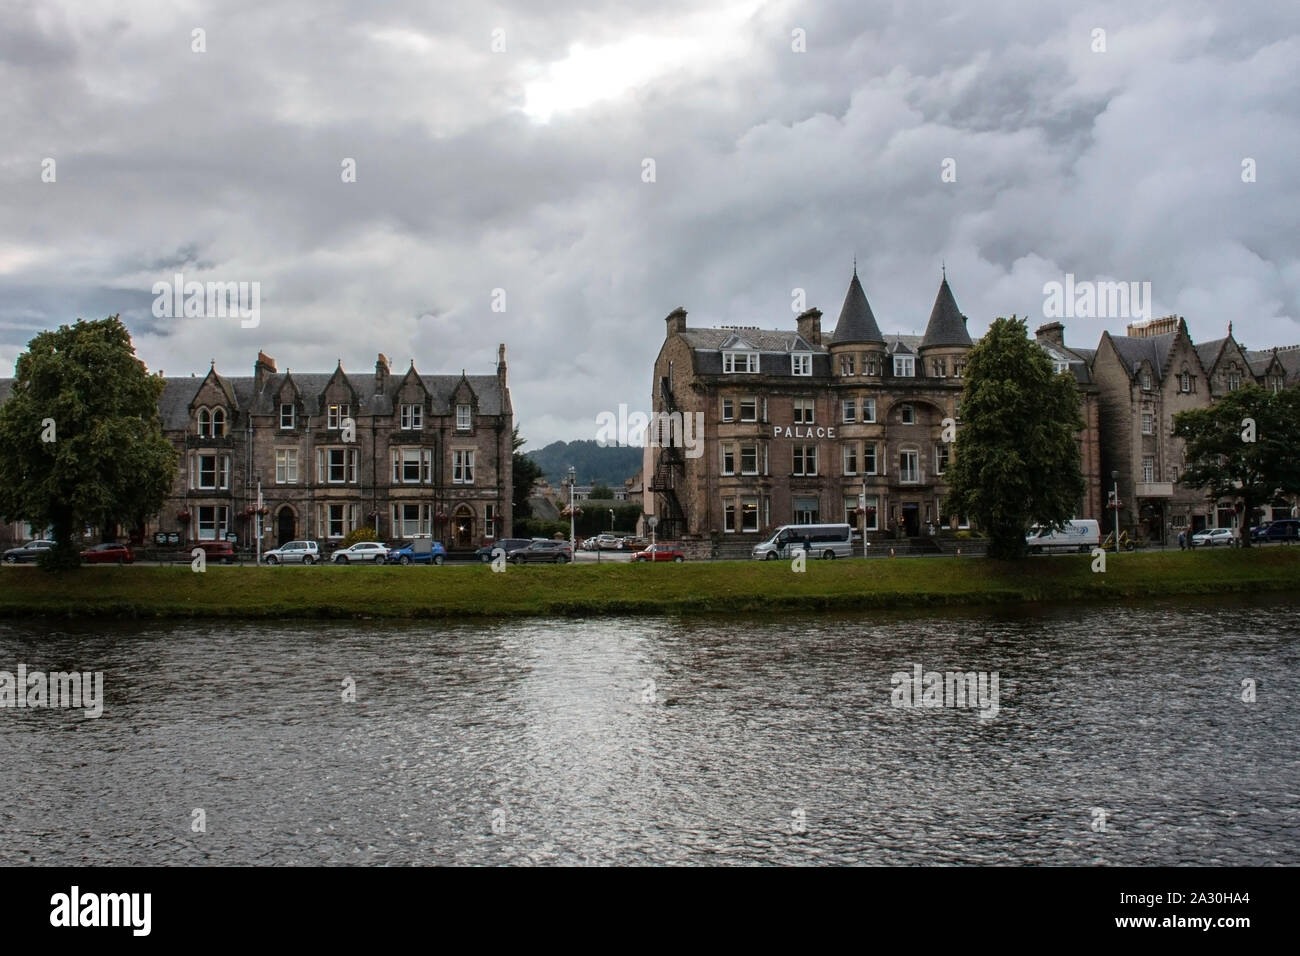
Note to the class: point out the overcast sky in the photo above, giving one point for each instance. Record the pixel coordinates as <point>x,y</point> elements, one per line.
<point>522,169</point>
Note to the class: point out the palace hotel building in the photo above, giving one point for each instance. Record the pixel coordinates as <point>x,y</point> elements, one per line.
<point>802,427</point>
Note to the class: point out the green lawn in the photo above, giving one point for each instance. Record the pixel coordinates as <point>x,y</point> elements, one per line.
<point>475,590</point>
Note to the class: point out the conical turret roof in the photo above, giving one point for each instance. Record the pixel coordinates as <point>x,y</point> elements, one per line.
<point>947,326</point>
<point>856,323</point>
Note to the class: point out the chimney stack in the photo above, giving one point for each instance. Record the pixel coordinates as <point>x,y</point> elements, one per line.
<point>263,369</point>
<point>810,326</point>
<point>1052,333</point>
<point>381,373</point>
<point>676,320</point>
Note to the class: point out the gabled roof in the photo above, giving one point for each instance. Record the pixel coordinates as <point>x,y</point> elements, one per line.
<point>1288,357</point>
<point>1210,352</point>
<point>903,344</point>
<point>947,326</point>
<point>857,323</point>
<point>1154,350</point>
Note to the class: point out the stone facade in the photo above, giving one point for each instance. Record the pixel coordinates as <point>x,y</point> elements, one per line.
<point>421,455</point>
<point>798,425</point>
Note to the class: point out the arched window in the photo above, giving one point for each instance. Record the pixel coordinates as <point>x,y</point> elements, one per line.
<point>205,423</point>
<point>218,422</point>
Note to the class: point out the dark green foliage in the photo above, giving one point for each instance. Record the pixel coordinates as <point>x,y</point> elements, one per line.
<point>108,463</point>
<point>526,473</point>
<point>1221,460</point>
<point>610,465</point>
<point>1016,460</point>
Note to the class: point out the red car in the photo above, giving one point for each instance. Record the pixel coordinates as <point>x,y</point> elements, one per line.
<point>659,552</point>
<point>111,553</point>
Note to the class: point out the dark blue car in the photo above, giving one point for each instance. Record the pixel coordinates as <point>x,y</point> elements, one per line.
<point>419,551</point>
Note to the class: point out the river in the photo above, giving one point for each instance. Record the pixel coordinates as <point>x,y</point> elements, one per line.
<point>1120,737</point>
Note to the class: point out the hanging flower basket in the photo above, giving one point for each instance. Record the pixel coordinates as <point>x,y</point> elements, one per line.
<point>571,512</point>
<point>183,516</point>
<point>440,516</point>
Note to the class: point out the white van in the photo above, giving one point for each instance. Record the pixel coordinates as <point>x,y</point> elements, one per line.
<point>824,541</point>
<point>1077,535</point>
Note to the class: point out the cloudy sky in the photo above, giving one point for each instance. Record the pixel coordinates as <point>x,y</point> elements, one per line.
<point>503,146</point>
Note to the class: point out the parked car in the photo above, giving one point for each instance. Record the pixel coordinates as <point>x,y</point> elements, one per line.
<point>1212,536</point>
<point>1075,535</point>
<point>27,553</point>
<point>588,544</point>
<point>555,552</point>
<point>417,551</point>
<point>295,552</point>
<point>108,553</point>
<point>507,545</point>
<point>363,552</point>
<point>608,542</point>
<point>215,552</point>
<point>1279,529</point>
<point>659,552</point>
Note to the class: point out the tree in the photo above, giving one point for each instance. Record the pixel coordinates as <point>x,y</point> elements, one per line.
<point>82,438</point>
<point>526,473</point>
<point>1245,447</point>
<point>600,490</point>
<point>1016,460</point>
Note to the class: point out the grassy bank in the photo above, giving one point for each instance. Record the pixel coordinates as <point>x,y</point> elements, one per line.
<point>475,591</point>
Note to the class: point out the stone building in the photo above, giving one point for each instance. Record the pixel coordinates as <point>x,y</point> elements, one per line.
<point>1145,378</point>
<point>1078,362</point>
<point>802,426</point>
<point>407,454</point>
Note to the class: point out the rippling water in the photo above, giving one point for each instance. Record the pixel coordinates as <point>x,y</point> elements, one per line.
<point>650,741</point>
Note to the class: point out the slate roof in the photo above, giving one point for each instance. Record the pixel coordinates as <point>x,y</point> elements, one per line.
<point>947,326</point>
<point>174,405</point>
<point>857,323</point>
<point>1154,350</point>
<point>764,340</point>
<point>1209,352</point>
<point>1259,360</point>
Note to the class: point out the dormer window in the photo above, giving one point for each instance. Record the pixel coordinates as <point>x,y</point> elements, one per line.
<point>412,418</point>
<point>740,362</point>
<point>462,418</point>
<point>1234,380</point>
<point>801,363</point>
<point>205,423</point>
<point>1059,366</point>
<point>905,366</point>
<point>286,415</point>
<point>335,414</point>
<point>1146,380</point>
<point>218,422</point>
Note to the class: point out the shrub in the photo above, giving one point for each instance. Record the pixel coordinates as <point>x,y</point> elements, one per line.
<point>366,533</point>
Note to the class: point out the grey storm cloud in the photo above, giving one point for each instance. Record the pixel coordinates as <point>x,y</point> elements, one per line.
<point>521,170</point>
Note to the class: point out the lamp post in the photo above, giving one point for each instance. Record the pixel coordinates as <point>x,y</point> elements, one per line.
<point>573,477</point>
<point>1114,477</point>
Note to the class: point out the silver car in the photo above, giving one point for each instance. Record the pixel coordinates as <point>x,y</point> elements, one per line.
<point>295,552</point>
<point>368,552</point>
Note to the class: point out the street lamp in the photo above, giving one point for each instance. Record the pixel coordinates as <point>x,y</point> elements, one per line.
<point>573,477</point>
<point>1114,477</point>
<point>611,520</point>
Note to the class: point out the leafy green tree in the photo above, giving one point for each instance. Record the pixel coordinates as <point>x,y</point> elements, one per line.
<point>1016,460</point>
<point>525,475</point>
<point>82,440</point>
<point>1245,447</point>
<point>601,490</point>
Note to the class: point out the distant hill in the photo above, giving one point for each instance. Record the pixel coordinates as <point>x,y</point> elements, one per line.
<point>611,466</point>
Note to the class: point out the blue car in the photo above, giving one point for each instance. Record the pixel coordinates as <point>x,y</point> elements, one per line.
<point>419,551</point>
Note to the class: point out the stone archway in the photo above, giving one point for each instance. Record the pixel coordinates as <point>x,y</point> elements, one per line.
<point>462,527</point>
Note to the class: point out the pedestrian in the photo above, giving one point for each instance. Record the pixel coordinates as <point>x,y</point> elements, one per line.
<point>1182,541</point>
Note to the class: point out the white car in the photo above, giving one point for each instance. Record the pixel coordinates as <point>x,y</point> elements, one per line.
<point>1212,536</point>
<point>295,552</point>
<point>371,552</point>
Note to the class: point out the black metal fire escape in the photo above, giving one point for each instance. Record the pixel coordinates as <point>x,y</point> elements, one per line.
<point>670,469</point>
